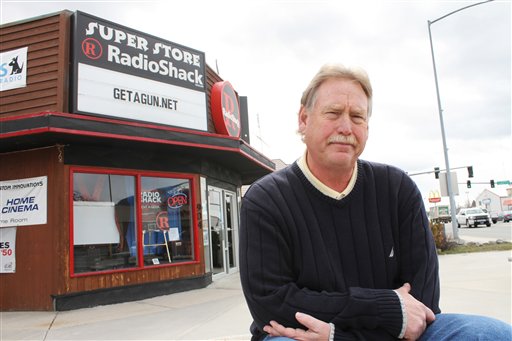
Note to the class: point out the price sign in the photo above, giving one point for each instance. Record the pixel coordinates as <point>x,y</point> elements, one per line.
<point>8,250</point>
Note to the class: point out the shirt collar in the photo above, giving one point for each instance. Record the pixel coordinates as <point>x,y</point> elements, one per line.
<point>324,189</point>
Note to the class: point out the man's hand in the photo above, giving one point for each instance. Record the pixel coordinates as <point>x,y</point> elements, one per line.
<point>317,330</point>
<point>418,314</point>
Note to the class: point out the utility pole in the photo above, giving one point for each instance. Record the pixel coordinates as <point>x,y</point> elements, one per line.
<point>445,148</point>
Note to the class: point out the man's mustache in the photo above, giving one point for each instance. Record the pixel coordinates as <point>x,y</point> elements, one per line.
<point>350,139</point>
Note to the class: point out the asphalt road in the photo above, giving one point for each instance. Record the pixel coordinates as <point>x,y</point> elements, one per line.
<point>500,230</point>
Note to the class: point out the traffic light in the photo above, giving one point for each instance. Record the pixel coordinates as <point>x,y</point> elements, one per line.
<point>492,183</point>
<point>470,171</point>
<point>468,184</point>
<point>436,172</point>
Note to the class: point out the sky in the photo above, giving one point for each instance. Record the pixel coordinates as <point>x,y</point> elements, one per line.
<point>270,50</point>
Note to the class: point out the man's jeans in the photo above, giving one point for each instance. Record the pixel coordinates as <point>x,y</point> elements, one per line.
<point>467,327</point>
<point>457,327</point>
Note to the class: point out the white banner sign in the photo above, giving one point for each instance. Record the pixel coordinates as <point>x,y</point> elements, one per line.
<point>23,202</point>
<point>13,69</point>
<point>8,250</point>
<point>113,93</point>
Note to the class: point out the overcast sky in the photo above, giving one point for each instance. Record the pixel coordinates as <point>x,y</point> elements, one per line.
<point>269,50</point>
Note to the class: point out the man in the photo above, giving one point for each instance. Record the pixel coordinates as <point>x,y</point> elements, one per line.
<point>334,247</point>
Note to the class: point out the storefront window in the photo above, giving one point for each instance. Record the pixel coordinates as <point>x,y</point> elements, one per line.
<point>106,231</point>
<point>166,220</point>
<point>104,219</point>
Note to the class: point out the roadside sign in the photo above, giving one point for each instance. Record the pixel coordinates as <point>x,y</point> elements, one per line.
<point>434,196</point>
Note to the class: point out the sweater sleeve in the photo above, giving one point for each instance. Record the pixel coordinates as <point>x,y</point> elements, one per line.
<point>417,251</point>
<point>269,281</point>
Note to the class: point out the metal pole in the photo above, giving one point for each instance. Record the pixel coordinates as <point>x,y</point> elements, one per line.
<point>445,148</point>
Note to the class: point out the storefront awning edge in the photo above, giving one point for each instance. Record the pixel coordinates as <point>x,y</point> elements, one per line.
<point>48,128</point>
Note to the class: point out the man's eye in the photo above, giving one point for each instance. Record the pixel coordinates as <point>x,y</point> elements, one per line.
<point>359,118</point>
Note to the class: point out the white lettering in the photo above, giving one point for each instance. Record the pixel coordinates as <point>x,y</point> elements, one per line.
<point>118,36</point>
<point>177,54</point>
<point>163,67</point>
<point>229,115</point>
<point>151,197</point>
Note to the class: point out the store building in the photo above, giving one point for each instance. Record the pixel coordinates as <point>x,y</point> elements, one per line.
<point>122,156</point>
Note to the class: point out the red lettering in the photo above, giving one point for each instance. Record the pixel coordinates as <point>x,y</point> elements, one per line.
<point>162,220</point>
<point>92,48</point>
<point>177,201</point>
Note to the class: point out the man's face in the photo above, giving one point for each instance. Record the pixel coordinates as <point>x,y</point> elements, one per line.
<point>336,128</point>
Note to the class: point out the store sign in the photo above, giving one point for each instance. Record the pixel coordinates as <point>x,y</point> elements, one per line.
<point>177,200</point>
<point>8,250</point>
<point>434,197</point>
<point>23,202</point>
<point>225,109</point>
<point>128,74</point>
<point>13,69</point>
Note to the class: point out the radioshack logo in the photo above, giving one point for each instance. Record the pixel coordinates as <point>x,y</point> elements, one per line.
<point>92,48</point>
<point>225,109</point>
<point>13,69</point>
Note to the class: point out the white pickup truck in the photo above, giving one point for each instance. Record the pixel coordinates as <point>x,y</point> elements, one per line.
<point>473,217</point>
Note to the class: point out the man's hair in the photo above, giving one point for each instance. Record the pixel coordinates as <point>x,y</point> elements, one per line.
<point>330,71</point>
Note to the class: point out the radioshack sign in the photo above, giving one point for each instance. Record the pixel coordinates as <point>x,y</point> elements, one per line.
<point>225,109</point>
<point>128,74</point>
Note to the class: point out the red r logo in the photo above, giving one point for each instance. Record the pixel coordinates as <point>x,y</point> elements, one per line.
<point>92,48</point>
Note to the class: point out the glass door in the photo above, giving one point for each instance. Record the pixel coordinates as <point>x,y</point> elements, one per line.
<point>231,231</point>
<point>223,226</point>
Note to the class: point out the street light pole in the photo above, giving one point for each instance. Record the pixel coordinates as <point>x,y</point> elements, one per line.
<point>443,136</point>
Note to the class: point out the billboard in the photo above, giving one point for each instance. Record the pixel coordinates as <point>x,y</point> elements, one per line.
<point>13,69</point>
<point>125,73</point>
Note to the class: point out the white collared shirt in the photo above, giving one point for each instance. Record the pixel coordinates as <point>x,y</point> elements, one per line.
<point>301,162</point>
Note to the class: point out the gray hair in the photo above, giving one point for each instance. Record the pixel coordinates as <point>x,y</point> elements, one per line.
<point>329,71</point>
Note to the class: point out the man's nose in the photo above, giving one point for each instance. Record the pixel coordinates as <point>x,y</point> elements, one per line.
<point>344,124</point>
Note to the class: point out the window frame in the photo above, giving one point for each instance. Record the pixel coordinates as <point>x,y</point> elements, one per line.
<point>137,174</point>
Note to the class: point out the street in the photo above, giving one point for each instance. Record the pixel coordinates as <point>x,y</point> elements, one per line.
<point>500,230</point>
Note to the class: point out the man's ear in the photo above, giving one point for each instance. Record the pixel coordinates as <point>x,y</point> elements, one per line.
<point>303,117</point>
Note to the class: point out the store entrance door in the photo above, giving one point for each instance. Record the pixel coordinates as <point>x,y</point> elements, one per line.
<point>223,225</point>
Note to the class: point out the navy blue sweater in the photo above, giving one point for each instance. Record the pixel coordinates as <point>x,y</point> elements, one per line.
<point>338,260</point>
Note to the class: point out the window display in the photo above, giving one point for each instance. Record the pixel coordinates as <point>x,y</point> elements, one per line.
<point>107,233</point>
<point>103,222</point>
<point>166,220</point>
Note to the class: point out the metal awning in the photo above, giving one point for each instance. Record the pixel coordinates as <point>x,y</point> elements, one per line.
<point>42,129</point>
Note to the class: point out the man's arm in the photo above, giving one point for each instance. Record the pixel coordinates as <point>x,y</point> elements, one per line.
<point>417,253</point>
<point>418,316</point>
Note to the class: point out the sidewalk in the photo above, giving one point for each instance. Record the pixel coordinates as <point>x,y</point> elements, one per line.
<point>476,283</point>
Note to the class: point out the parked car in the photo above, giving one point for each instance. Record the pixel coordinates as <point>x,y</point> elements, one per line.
<point>496,216</point>
<point>507,216</point>
<point>473,217</point>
